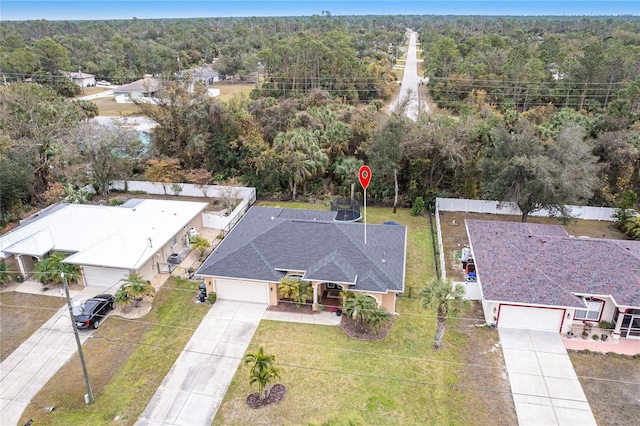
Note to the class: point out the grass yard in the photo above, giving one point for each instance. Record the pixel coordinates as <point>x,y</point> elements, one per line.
<point>21,315</point>
<point>127,361</point>
<point>230,90</point>
<point>611,384</point>
<point>332,379</point>
<point>109,107</point>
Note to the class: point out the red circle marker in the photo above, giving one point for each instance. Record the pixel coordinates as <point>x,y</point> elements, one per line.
<point>365,176</point>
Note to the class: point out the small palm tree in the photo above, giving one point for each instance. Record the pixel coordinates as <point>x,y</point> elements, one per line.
<point>137,287</point>
<point>348,168</point>
<point>199,243</point>
<point>49,269</point>
<point>121,298</point>
<point>377,318</point>
<point>359,308</point>
<point>5,275</point>
<point>295,289</point>
<point>262,370</point>
<point>446,298</point>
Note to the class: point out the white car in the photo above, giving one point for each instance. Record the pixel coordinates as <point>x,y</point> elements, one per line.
<point>103,83</point>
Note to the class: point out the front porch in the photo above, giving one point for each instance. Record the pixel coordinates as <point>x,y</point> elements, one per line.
<point>620,346</point>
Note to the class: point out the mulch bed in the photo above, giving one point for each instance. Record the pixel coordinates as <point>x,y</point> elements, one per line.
<point>286,306</point>
<point>352,330</point>
<point>276,395</point>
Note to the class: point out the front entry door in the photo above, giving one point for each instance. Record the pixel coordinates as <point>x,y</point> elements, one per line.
<point>630,326</point>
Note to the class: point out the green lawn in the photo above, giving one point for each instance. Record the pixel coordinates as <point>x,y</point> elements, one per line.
<point>126,360</point>
<point>332,379</point>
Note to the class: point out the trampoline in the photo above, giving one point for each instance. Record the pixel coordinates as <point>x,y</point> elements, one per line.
<point>347,210</point>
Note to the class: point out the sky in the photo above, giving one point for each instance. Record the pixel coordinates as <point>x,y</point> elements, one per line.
<point>146,9</point>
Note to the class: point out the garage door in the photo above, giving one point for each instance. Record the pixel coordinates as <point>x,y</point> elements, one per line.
<point>244,291</point>
<point>530,318</point>
<point>104,277</point>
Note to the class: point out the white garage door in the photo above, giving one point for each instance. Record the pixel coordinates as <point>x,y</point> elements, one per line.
<point>245,291</point>
<point>104,277</point>
<point>530,318</point>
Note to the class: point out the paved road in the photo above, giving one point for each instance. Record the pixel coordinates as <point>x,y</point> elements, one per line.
<point>545,388</point>
<point>410,83</point>
<point>105,94</point>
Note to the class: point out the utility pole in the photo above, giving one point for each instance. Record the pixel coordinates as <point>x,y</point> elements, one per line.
<point>88,398</point>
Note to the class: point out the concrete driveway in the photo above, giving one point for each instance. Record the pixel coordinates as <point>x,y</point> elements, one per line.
<point>27,369</point>
<point>193,390</point>
<point>545,388</point>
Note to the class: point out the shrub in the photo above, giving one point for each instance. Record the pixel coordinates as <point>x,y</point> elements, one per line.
<point>212,297</point>
<point>418,206</point>
<point>606,325</point>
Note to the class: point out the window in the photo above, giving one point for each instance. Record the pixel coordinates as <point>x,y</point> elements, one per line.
<point>592,313</point>
<point>174,241</point>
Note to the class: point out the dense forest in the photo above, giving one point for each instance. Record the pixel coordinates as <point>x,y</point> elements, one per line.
<point>540,111</point>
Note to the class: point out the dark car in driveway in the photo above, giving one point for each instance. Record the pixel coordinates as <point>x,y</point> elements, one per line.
<point>92,312</point>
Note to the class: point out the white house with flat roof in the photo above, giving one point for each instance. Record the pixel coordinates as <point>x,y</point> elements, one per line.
<point>106,242</point>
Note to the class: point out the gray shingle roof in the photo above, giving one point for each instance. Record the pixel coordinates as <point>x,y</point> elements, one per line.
<point>268,241</point>
<point>541,264</point>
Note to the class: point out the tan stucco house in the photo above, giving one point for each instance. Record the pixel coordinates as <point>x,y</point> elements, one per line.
<point>271,243</point>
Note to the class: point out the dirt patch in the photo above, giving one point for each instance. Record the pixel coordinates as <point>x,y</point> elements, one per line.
<point>21,314</point>
<point>276,394</point>
<point>483,369</point>
<point>611,384</point>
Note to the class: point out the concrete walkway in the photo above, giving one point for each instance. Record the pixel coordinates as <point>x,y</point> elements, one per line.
<point>545,388</point>
<point>27,369</point>
<point>322,318</point>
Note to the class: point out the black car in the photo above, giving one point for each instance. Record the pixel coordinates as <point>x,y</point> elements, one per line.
<point>93,311</point>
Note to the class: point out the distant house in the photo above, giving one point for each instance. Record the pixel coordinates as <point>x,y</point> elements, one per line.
<point>269,244</point>
<point>106,242</point>
<point>82,79</point>
<point>204,74</point>
<point>145,88</point>
<point>537,277</point>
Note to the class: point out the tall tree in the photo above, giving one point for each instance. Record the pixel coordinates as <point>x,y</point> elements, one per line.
<point>347,168</point>
<point>447,299</point>
<point>519,169</point>
<point>384,152</point>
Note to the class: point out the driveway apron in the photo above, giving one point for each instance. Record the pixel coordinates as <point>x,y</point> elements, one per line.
<point>193,390</point>
<point>545,388</point>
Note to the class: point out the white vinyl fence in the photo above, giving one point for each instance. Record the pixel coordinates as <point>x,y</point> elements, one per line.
<point>247,197</point>
<point>472,289</point>
<point>497,207</point>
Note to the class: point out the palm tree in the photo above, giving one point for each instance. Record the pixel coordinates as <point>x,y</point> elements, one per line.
<point>447,299</point>
<point>199,243</point>
<point>262,370</point>
<point>376,318</point>
<point>295,289</point>
<point>348,168</point>
<point>359,308</point>
<point>49,269</point>
<point>121,298</point>
<point>137,287</point>
<point>5,275</point>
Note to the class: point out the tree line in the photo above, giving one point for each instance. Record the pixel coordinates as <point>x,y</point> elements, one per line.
<point>320,115</point>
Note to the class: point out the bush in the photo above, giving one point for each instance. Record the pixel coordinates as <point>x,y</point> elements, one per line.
<point>418,206</point>
<point>212,297</point>
<point>605,325</point>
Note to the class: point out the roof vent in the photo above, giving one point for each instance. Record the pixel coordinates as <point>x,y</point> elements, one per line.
<point>272,217</point>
